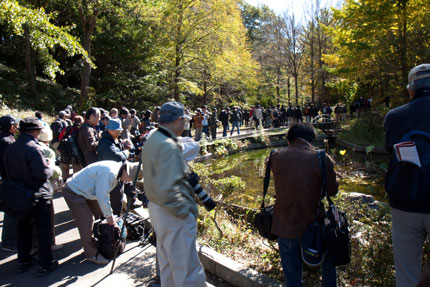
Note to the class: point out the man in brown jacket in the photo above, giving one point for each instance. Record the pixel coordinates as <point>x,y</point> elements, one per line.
<point>87,136</point>
<point>298,181</point>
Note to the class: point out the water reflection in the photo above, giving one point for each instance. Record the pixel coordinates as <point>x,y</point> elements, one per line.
<point>356,173</point>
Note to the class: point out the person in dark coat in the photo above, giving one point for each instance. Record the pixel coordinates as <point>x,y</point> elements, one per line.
<point>110,148</point>
<point>223,118</point>
<point>87,137</point>
<point>26,163</point>
<point>8,125</point>
<point>298,183</point>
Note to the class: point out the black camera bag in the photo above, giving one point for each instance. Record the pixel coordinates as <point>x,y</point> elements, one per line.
<point>108,238</point>
<point>263,219</point>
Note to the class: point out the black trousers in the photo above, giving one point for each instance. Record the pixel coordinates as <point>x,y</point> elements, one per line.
<point>41,216</point>
<point>213,132</point>
<point>116,198</point>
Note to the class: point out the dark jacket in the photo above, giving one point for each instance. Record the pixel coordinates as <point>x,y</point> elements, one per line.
<point>57,126</point>
<point>223,117</point>
<point>297,177</point>
<point>6,139</point>
<point>26,163</point>
<point>236,116</point>
<point>87,140</point>
<point>109,150</point>
<point>414,115</point>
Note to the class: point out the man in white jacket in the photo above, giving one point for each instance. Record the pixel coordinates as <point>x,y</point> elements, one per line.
<point>87,193</point>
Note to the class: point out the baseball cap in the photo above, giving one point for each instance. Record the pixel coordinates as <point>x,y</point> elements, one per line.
<point>170,111</point>
<point>114,124</point>
<point>418,73</point>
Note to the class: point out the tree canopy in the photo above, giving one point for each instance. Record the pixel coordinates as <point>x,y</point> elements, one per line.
<point>142,52</point>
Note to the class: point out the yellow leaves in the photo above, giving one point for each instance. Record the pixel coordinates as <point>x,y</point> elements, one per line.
<point>342,152</point>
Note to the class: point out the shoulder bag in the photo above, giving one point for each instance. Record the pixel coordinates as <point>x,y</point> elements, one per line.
<point>263,219</point>
<point>335,229</point>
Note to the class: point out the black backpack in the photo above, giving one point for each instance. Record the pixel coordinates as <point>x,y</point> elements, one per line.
<point>108,239</point>
<point>57,127</point>
<point>406,181</point>
<point>69,148</point>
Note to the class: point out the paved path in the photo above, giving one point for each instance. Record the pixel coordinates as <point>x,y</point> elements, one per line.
<point>135,267</point>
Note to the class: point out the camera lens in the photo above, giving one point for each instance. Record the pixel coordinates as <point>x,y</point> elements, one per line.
<point>204,198</point>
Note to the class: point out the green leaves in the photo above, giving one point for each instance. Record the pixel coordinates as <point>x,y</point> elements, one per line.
<point>44,36</point>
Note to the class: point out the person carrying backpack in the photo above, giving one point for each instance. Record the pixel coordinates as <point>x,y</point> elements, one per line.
<point>57,127</point>
<point>68,155</point>
<point>407,184</point>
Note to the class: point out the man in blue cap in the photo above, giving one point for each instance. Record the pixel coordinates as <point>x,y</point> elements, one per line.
<point>172,207</point>
<point>110,148</point>
<point>9,127</point>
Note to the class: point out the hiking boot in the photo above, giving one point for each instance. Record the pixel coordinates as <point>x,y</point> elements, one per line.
<point>98,259</point>
<point>42,272</point>
<point>25,266</point>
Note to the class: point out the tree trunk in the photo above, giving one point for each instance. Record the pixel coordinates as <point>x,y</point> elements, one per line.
<point>289,90</point>
<point>296,85</point>
<point>403,47</point>
<point>278,83</point>
<point>30,67</point>
<point>88,26</point>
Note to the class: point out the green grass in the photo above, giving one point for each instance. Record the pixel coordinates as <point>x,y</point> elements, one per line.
<point>366,130</point>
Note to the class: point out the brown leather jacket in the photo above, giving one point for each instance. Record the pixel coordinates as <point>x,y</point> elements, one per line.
<point>298,187</point>
<point>87,140</point>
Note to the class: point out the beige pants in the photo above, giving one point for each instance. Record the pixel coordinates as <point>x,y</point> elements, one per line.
<point>83,211</point>
<point>176,249</point>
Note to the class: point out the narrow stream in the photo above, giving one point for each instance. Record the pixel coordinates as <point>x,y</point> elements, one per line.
<point>356,172</point>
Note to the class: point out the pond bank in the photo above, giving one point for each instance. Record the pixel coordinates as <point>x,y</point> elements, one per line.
<point>362,149</point>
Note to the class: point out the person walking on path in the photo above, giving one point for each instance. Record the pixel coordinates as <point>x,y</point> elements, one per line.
<point>172,207</point>
<point>224,119</point>
<point>235,118</point>
<point>298,182</point>
<point>410,219</point>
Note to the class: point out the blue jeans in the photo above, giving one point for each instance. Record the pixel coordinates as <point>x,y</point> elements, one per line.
<point>206,131</point>
<point>224,130</point>
<point>291,259</point>
<point>235,124</point>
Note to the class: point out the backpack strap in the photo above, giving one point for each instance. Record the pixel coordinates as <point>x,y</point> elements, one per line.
<point>323,167</point>
<point>408,136</point>
<point>266,178</point>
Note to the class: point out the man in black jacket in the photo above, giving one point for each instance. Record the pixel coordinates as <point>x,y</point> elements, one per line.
<point>110,148</point>
<point>223,118</point>
<point>410,219</point>
<point>25,163</point>
<point>8,125</point>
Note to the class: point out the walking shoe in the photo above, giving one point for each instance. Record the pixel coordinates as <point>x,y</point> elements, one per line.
<point>25,266</point>
<point>10,248</point>
<point>42,272</point>
<point>56,247</point>
<point>98,259</point>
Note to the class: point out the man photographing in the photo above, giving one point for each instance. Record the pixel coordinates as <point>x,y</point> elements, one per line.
<point>172,207</point>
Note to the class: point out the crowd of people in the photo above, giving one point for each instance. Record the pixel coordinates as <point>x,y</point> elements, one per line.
<point>104,150</point>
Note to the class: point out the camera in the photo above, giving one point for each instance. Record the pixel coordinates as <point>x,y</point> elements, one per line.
<point>204,198</point>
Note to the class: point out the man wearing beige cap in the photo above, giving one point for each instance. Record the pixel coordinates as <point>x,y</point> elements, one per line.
<point>172,207</point>
<point>87,193</point>
<point>408,185</point>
